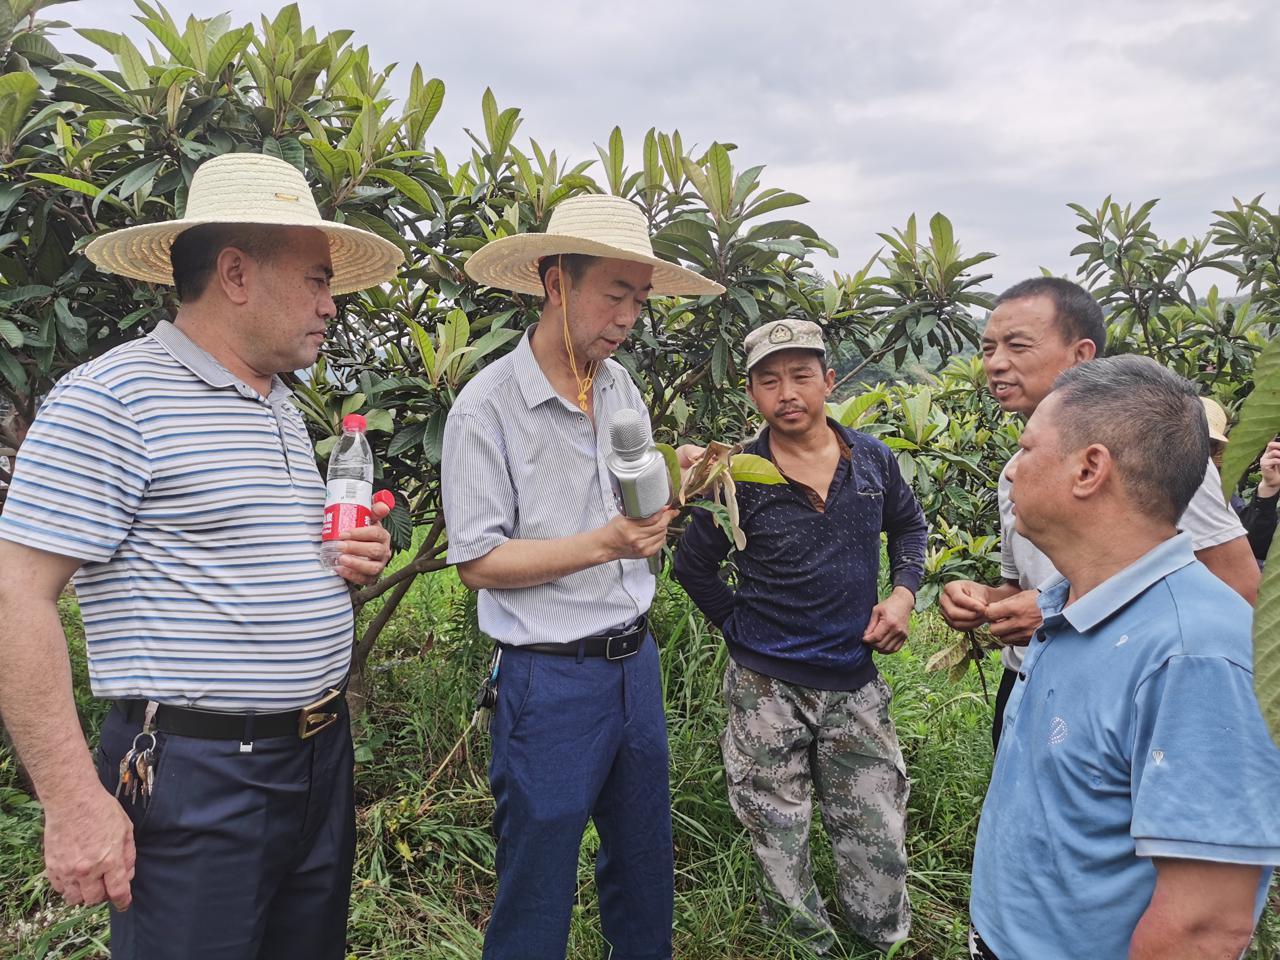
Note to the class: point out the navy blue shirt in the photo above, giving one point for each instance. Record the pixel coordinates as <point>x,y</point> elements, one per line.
<point>808,578</point>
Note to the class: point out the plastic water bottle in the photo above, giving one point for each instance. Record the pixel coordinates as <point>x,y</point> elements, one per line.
<point>349,490</point>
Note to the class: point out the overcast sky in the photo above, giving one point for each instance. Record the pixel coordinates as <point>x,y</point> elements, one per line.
<point>997,113</point>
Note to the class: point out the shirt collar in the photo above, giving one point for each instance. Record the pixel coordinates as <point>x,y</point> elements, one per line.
<point>534,385</point>
<point>200,362</point>
<point>1118,590</point>
<point>846,452</point>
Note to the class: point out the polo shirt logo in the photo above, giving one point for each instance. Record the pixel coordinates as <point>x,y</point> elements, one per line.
<point>1157,756</point>
<point>1057,731</point>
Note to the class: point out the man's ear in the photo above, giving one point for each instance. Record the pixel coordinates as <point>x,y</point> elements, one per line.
<point>830,378</point>
<point>554,286</point>
<point>1084,350</point>
<point>1093,467</point>
<point>230,269</point>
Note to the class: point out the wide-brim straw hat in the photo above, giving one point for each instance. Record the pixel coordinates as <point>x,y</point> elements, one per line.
<point>248,188</point>
<point>596,225</point>
<point>1217,418</point>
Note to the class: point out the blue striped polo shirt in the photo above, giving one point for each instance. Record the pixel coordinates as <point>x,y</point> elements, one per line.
<point>196,507</point>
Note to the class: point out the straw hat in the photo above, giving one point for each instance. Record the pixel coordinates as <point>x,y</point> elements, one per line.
<point>1217,418</point>
<point>248,188</point>
<point>596,225</point>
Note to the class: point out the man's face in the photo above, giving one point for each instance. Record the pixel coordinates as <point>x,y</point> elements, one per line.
<point>1041,476</point>
<point>604,304</point>
<point>290,303</point>
<point>1023,351</point>
<point>790,390</point>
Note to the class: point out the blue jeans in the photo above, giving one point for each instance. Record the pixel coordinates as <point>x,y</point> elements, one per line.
<point>241,856</point>
<point>577,739</point>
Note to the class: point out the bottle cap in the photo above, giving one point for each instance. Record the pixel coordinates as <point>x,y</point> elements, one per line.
<point>387,497</point>
<point>353,423</point>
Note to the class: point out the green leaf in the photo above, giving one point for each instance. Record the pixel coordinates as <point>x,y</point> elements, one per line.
<point>433,436</point>
<point>399,524</point>
<point>1259,419</point>
<point>720,179</point>
<point>10,333</point>
<point>351,404</point>
<point>410,188</point>
<point>775,202</point>
<point>673,466</point>
<point>749,468</point>
<point>25,292</point>
<point>18,91</point>
<point>1266,642</point>
<point>13,372</point>
<point>73,330</point>
<point>379,421</point>
<point>406,439</point>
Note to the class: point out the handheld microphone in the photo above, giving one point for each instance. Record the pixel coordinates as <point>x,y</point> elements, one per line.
<point>639,469</point>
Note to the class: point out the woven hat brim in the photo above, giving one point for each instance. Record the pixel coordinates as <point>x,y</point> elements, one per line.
<point>360,259</point>
<point>511,263</point>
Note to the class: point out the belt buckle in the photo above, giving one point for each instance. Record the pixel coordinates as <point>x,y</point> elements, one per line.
<point>622,637</point>
<point>313,718</point>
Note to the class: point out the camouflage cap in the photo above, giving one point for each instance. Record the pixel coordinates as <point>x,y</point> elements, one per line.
<point>785,334</point>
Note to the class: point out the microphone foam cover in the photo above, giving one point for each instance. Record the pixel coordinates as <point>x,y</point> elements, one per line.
<point>628,432</point>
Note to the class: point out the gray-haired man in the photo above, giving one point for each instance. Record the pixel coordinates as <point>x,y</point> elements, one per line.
<point>1132,808</point>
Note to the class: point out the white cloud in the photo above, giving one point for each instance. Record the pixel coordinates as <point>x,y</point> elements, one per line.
<point>996,113</point>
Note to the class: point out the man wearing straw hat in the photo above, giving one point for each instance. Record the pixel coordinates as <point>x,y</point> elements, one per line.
<point>174,479</point>
<point>578,730</point>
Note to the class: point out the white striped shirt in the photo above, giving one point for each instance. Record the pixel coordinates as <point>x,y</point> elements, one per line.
<point>196,507</point>
<point>521,462</point>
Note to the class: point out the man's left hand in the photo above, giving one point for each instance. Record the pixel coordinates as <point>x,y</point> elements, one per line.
<point>688,454</point>
<point>365,550</point>
<point>890,618</point>
<point>1015,619</point>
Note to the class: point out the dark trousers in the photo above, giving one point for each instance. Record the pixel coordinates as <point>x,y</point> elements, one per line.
<point>1007,680</point>
<point>241,855</point>
<point>575,740</point>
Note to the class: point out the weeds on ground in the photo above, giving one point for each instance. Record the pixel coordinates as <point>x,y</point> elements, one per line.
<point>424,878</point>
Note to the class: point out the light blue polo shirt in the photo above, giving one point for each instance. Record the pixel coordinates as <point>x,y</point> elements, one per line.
<point>1135,734</point>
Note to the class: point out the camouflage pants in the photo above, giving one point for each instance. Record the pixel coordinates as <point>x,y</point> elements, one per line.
<point>782,742</point>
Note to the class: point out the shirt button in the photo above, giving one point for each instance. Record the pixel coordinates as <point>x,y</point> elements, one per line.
<point>1022,675</point>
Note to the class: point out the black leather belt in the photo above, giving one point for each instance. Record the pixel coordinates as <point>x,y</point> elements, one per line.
<point>303,722</point>
<point>617,644</point>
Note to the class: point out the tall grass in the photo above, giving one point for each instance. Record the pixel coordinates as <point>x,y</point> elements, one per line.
<point>424,872</point>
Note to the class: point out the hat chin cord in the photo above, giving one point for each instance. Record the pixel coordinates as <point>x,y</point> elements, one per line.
<point>584,383</point>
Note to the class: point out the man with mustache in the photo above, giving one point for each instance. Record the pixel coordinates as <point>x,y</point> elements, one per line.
<point>1039,328</point>
<point>807,708</point>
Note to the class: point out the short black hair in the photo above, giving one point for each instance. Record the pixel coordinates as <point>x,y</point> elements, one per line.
<point>1075,311</point>
<point>574,264</point>
<point>195,252</point>
<point>1150,420</point>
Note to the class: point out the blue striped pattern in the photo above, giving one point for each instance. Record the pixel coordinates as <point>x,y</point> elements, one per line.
<point>521,462</point>
<point>196,506</point>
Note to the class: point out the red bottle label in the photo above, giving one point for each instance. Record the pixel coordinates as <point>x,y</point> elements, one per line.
<point>346,507</point>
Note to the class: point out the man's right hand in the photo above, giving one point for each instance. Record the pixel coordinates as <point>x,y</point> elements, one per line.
<point>964,604</point>
<point>1270,466</point>
<point>627,539</point>
<point>88,849</point>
